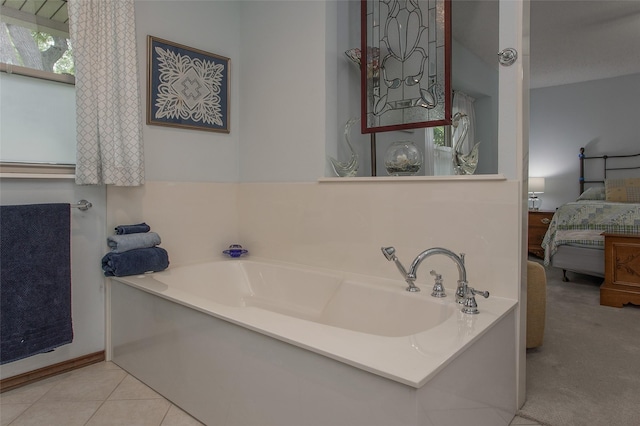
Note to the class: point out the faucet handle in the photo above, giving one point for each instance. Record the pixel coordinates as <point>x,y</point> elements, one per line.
<point>438,288</point>
<point>484,294</point>
<point>461,291</point>
<point>469,305</point>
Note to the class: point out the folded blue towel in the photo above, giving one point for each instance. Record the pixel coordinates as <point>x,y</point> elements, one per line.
<point>122,243</point>
<point>135,262</point>
<point>132,229</point>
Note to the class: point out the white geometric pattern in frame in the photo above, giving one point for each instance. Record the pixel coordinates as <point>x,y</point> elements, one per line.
<point>187,87</point>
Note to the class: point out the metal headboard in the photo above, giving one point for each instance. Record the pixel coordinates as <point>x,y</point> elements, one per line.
<point>606,167</point>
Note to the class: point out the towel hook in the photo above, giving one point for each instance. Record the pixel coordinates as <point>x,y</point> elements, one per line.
<point>82,205</point>
<point>508,56</point>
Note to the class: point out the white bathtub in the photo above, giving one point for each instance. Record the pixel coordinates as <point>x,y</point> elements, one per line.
<point>243,342</point>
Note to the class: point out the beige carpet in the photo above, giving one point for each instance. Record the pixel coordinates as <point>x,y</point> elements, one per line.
<point>588,370</point>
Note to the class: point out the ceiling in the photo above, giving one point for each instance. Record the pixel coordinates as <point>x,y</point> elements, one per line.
<point>50,16</point>
<point>571,40</point>
<point>55,10</point>
<point>577,40</point>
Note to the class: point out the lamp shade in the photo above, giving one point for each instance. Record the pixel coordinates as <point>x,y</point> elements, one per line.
<point>536,185</point>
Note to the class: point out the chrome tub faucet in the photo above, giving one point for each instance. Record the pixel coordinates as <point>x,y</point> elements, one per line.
<point>458,260</point>
<point>411,275</point>
<point>465,295</point>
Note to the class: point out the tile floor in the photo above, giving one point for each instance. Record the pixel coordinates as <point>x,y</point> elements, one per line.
<point>100,394</point>
<point>520,421</point>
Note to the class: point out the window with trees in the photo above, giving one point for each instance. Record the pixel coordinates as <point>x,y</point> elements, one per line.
<point>37,115</point>
<point>34,39</point>
<point>439,136</point>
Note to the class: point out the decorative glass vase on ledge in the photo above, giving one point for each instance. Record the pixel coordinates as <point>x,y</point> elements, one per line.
<point>402,158</point>
<point>346,168</point>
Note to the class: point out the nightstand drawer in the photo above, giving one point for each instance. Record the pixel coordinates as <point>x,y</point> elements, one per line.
<point>621,270</point>
<point>538,224</point>
<point>540,219</point>
<point>536,238</point>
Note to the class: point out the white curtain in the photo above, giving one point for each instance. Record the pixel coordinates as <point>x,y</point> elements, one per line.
<point>463,104</point>
<point>108,113</point>
<point>429,153</point>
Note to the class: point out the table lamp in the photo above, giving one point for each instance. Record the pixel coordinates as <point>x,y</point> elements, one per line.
<point>536,186</point>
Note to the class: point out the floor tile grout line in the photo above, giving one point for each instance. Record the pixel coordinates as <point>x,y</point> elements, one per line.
<point>55,379</point>
<point>160,396</point>
<point>21,413</point>
<point>106,398</point>
<point>101,401</point>
<point>165,413</point>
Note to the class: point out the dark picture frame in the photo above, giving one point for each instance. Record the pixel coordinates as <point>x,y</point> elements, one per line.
<point>186,87</point>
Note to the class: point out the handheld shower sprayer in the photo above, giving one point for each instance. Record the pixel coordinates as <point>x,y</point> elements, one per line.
<point>389,253</point>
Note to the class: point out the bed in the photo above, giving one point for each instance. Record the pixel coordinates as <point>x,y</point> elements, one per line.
<point>609,202</point>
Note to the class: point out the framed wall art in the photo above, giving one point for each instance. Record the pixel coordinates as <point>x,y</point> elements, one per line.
<point>186,87</point>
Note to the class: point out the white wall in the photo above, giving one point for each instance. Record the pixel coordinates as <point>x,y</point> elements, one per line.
<point>283,90</point>
<point>177,154</point>
<point>600,115</point>
<point>342,225</point>
<point>195,220</point>
<point>277,98</point>
<point>337,225</point>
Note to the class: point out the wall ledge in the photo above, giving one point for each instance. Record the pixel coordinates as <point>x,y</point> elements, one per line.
<point>12,170</point>
<point>380,179</point>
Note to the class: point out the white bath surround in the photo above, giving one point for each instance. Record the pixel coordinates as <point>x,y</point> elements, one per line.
<point>281,328</point>
<point>336,227</point>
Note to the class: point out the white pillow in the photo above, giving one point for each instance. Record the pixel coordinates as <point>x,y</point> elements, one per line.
<point>593,193</point>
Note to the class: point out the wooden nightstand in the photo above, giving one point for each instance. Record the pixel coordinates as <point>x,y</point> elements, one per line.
<point>621,270</point>
<point>538,224</point>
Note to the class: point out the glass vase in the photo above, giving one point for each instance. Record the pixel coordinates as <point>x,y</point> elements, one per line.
<point>402,158</point>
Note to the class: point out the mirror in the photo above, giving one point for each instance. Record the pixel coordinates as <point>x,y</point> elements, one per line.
<point>406,64</point>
